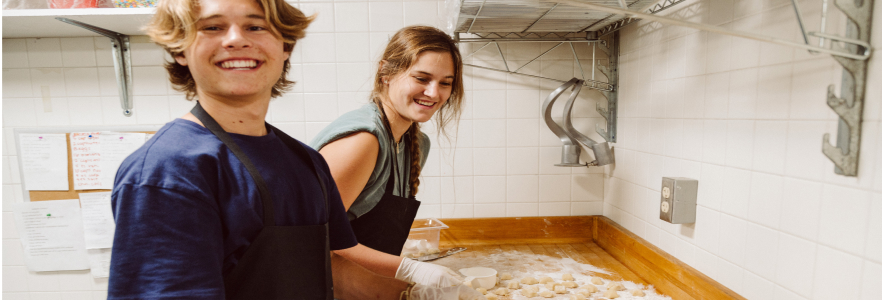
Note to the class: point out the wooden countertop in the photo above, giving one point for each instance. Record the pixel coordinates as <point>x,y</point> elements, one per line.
<point>594,240</point>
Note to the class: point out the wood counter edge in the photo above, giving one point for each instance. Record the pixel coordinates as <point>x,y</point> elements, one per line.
<point>667,273</point>
<point>656,266</point>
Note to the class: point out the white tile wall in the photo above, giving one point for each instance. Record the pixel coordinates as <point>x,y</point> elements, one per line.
<point>773,220</point>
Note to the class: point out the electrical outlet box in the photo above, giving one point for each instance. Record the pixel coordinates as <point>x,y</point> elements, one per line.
<point>678,200</point>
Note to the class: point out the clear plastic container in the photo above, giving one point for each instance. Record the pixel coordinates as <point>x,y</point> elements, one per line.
<point>424,237</point>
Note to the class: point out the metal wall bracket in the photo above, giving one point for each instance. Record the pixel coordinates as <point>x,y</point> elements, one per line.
<point>849,106</point>
<point>612,96</point>
<point>122,61</point>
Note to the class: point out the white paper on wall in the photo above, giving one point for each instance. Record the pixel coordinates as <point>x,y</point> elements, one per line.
<point>97,155</point>
<point>44,161</point>
<point>114,148</point>
<point>98,224</point>
<point>86,160</point>
<point>99,262</point>
<point>52,235</point>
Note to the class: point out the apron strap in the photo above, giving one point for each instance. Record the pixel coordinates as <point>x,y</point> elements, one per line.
<point>269,217</point>
<point>263,190</point>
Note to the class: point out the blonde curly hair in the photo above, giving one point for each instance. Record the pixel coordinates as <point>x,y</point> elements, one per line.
<point>174,28</point>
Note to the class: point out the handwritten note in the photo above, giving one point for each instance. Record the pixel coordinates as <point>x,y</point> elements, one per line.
<point>114,148</point>
<point>99,262</point>
<point>98,225</point>
<point>51,235</point>
<point>44,161</point>
<point>86,160</point>
<point>96,156</point>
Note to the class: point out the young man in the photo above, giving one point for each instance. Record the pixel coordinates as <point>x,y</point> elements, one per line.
<point>209,208</point>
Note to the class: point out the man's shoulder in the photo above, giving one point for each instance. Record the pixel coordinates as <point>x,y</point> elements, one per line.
<point>180,149</point>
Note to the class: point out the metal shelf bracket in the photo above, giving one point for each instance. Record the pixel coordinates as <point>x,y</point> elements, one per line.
<point>849,106</point>
<point>122,61</point>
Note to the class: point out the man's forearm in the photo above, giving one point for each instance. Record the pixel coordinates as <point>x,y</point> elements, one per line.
<point>352,281</point>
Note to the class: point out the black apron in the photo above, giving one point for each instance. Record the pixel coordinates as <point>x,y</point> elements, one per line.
<point>386,226</point>
<point>283,262</point>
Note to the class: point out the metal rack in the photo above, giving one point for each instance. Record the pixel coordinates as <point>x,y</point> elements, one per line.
<point>597,22</point>
<point>509,21</point>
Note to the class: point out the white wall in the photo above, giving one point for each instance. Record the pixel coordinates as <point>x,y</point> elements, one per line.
<point>501,166</point>
<point>746,119</point>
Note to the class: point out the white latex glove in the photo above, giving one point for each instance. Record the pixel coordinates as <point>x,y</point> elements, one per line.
<point>427,274</point>
<point>459,292</point>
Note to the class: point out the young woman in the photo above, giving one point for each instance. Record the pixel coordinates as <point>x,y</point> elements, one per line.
<point>376,153</point>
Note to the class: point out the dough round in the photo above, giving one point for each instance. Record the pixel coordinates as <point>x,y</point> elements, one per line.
<point>590,288</point>
<point>568,277</point>
<point>612,294</point>
<point>550,286</point>
<point>597,280</point>
<point>513,285</point>
<point>546,294</point>
<point>505,276</point>
<point>638,293</point>
<point>584,293</point>
<point>533,288</point>
<point>491,296</point>
<point>570,284</point>
<point>483,291</point>
<point>529,280</point>
<point>615,286</point>
<point>577,297</point>
<point>545,279</point>
<point>501,291</point>
<point>560,289</point>
<point>529,293</point>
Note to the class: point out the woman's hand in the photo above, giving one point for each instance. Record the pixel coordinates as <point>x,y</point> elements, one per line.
<point>459,292</point>
<point>427,274</point>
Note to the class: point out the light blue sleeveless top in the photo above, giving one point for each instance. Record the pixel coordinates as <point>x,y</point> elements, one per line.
<point>368,119</point>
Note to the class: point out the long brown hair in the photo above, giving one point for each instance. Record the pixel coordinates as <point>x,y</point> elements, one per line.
<point>174,28</point>
<point>401,53</point>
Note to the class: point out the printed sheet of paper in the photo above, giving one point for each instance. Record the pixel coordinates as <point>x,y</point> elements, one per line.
<point>86,160</point>
<point>97,155</point>
<point>99,262</point>
<point>52,235</point>
<point>114,148</point>
<point>98,224</point>
<point>44,161</point>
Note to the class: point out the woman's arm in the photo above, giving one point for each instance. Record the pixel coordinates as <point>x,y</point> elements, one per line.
<point>376,261</point>
<point>351,160</point>
<point>352,281</point>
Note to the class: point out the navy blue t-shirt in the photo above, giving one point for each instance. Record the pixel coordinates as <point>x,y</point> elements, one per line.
<point>186,210</point>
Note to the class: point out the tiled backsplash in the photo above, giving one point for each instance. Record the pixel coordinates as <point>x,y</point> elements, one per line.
<point>497,163</point>
<point>746,119</point>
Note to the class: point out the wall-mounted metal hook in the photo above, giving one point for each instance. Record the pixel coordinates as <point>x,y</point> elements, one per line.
<point>122,61</point>
<point>849,105</point>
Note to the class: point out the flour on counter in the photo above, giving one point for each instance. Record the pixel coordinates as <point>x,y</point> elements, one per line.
<point>522,265</point>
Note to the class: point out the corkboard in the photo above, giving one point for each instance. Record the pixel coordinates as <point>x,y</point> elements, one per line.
<point>71,193</point>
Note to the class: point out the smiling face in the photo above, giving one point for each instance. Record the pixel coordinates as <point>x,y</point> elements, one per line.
<point>417,93</point>
<point>235,54</point>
